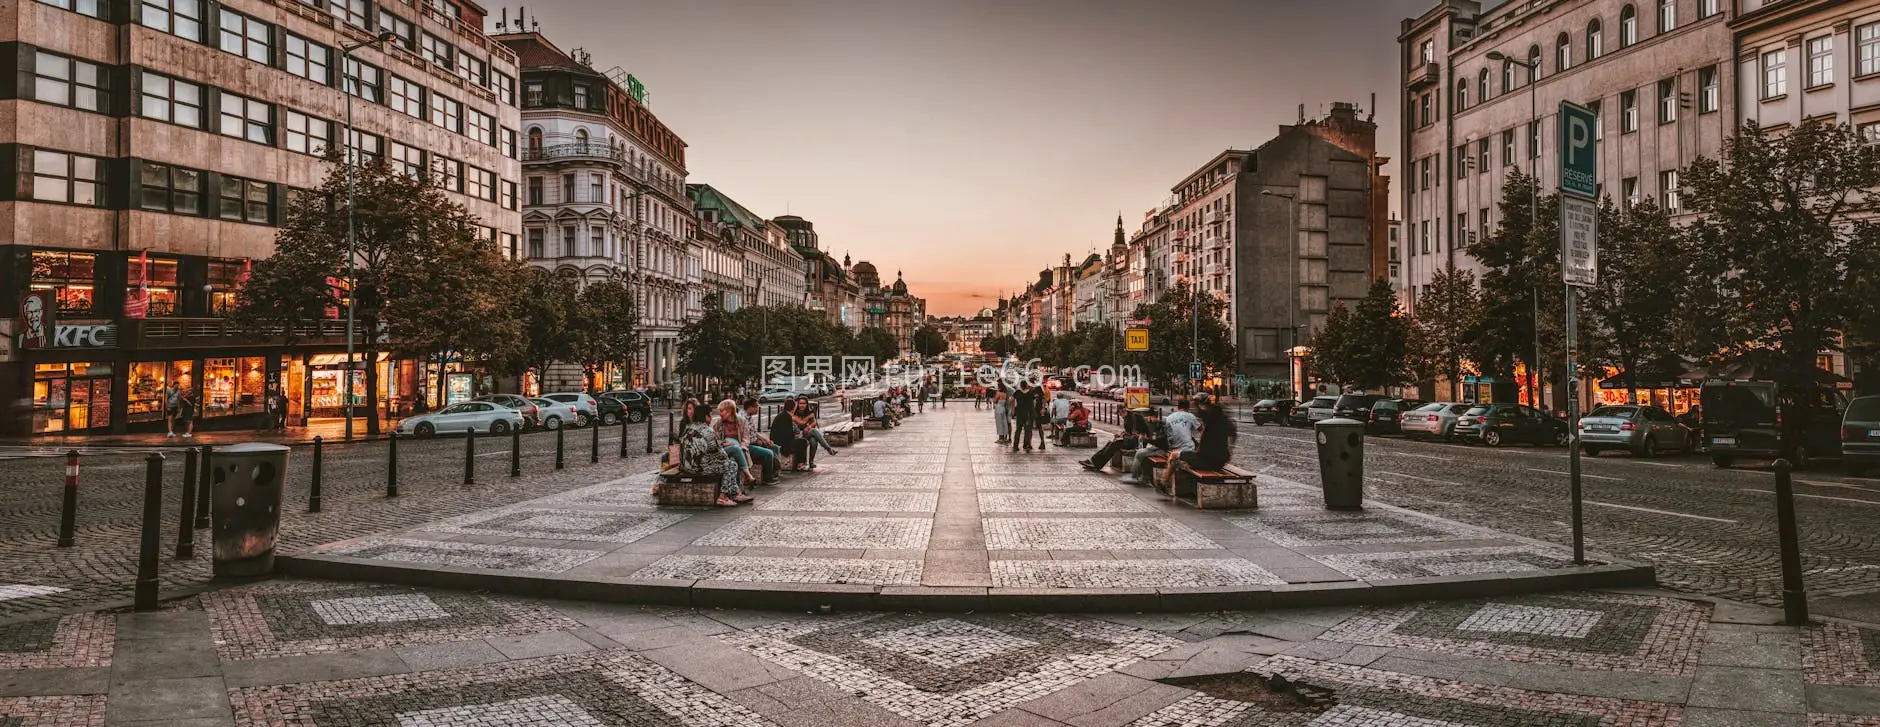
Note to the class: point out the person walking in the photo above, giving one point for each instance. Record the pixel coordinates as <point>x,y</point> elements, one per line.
<point>1002,415</point>
<point>1028,407</point>
<point>186,413</point>
<point>277,410</point>
<point>172,400</point>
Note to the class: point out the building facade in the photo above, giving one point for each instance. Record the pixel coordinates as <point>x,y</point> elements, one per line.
<point>826,281</point>
<point>164,142</point>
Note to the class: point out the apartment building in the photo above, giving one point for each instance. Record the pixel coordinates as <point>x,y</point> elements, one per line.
<point>157,145</point>
<point>1808,59</point>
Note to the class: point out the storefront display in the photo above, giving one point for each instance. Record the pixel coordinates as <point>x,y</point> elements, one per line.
<point>148,382</point>
<point>71,397</point>
<point>325,399</point>
<point>457,388</point>
<point>232,386</point>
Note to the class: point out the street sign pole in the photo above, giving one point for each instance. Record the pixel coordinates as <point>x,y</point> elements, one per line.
<point>1579,266</point>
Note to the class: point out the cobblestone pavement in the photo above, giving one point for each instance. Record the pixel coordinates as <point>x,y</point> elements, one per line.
<point>933,503</point>
<point>332,654</point>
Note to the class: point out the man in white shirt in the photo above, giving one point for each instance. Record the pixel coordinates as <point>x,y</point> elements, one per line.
<point>1184,433</point>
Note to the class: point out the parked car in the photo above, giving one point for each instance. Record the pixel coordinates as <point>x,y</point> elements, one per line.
<point>1272,411</point>
<point>631,405</point>
<point>557,413</point>
<point>1387,415</point>
<point>587,409</point>
<point>1860,435</point>
<point>1300,416</point>
<point>1742,421</point>
<point>1355,406</point>
<point>531,414</point>
<point>769,396</point>
<point>483,416</point>
<point>1436,420</point>
<point>1644,430</point>
<point>1499,424</point>
<point>1320,408</point>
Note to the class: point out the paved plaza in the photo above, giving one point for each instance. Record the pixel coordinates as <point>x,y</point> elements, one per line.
<point>935,514</point>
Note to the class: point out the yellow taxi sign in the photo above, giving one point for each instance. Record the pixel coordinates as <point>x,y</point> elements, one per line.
<point>1136,397</point>
<point>1136,339</point>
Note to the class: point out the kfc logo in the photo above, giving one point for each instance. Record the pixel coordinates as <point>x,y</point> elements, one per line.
<point>36,319</point>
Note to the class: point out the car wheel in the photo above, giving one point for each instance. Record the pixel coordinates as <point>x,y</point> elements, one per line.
<point>582,420</point>
<point>1589,450</point>
<point>426,430</point>
<point>636,416</point>
<point>499,427</point>
<point>610,418</point>
<point>1649,448</point>
<point>1562,438</point>
<point>1491,438</point>
<point>1722,462</point>
<point>551,423</point>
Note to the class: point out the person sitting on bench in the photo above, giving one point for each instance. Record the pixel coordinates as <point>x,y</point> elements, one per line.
<point>1154,443</point>
<point>1060,410</point>
<point>1184,432</point>
<point>1135,432</point>
<point>1218,433</point>
<point>883,413</point>
<point>1076,421</point>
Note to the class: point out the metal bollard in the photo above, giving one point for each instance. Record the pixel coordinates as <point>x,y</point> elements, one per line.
<point>313,488</point>
<point>669,426</point>
<point>391,465</point>
<point>560,460</point>
<point>205,487</point>
<point>515,452</point>
<point>623,436</point>
<point>470,456</point>
<point>145,592</point>
<point>68,508</point>
<point>185,521</point>
<point>1794,593</point>
<point>594,445</point>
<point>649,432</point>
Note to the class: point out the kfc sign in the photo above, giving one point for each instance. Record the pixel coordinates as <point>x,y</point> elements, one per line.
<point>92,336</point>
<point>36,319</point>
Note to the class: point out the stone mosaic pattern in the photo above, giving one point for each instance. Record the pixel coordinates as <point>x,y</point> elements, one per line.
<point>636,496</point>
<point>606,688</point>
<point>1374,698</point>
<point>1586,630</point>
<point>765,531</point>
<point>12,591</point>
<point>599,526</point>
<point>950,671</point>
<point>1092,534</point>
<point>1836,653</point>
<point>1452,562</point>
<point>1129,573</point>
<point>841,479</point>
<point>1054,481</point>
<point>1300,528</point>
<point>73,711</point>
<point>851,502</point>
<point>78,640</point>
<point>863,466</point>
<point>301,618</point>
<point>750,569</point>
<point>1062,502</point>
<point>464,555</point>
<point>1842,720</point>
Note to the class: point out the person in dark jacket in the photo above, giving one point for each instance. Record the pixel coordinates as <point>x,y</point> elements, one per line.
<point>1028,411</point>
<point>1217,434</point>
<point>783,432</point>
<point>1135,429</point>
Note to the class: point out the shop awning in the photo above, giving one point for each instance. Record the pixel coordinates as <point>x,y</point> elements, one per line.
<point>339,359</point>
<point>1649,379</point>
<point>1745,371</point>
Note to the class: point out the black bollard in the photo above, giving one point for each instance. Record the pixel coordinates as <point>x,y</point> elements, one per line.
<point>145,592</point>
<point>515,452</point>
<point>594,443</point>
<point>391,465</point>
<point>669,426</point>
<point>68,508</point>
<point>623,435</point>
<point>205,486</point>
<point>1794,593</point>
<point>560,461</point>
<point>649,432</point>
<point>313,489</point>
<point>470,456</point>
<point>185,520</point>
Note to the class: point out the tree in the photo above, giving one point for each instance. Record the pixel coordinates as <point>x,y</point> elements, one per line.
<point>1367,346</point>
<point>1448,316</point>
<point>553,322</point>
<point>1515,276</point>
<point>929,342</point>
<point>1641,268</point>
<point>1000,346</point>
<point>713,346</point>
<point>878,343</point>
<point>610,310</point>
<point>1172,335</point>
<point>1784,246</point>
<point>425,279</point>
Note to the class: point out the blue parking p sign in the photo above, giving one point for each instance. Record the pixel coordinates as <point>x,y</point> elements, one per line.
<point>1579,159</point>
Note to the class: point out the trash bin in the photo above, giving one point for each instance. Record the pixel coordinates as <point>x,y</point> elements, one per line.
<point>1341,463</point>
<point>246,485</point>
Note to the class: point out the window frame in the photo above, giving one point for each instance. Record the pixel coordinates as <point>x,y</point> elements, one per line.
<point>351,12</point>
<point>479,126</point>
<point>1670,192</point>
<point>404,30</point>
<point>1820,53</point>
<point>1628,26</point>
<point>88,8</point>
<point>1563,52</point>
<point>258,130</point>
<point>1595,39</point>
<point>406,96</point>
<point>1774,67</point>
<point>359,87</point>
<point>447,173</point>
<point>74,87</point>
<point>166,12</point>
<point>306,134</point>
<point>243,36</point>
<point>1709,90</point>
<point>446,112</point>
<point>1667,101</point>
<point>1667,16</point>
<point>175,198</point>
<point>248,194</point>
<point>306,58</point>
<point>479,183</point>
<point>170,100</point>
<point>1628,111</point>
<point>70,177</point>
<point>406,158</point>
<point>1867,49</point>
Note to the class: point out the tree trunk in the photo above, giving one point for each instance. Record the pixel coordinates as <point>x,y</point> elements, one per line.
<point>372,387</point>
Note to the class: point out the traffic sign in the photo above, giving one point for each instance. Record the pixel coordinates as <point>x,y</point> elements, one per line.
<point>1579,241</point>
<point>1136,397</point>
<point>1194,371</point>
<point>1579,160</point>
<point>1136,339</point>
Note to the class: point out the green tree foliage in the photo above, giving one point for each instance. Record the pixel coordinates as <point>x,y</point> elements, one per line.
<point>876,342</point>
<point>1512,274</point>
<point>714,345</point>
<point>929,342</point>
<point>613,315</point>
<point>1367,346</point>
<point>1172,335</point>
<point>1448,316</point>
<point>1001,346</point>
<point>551,312</point>
<point>1641,270</point>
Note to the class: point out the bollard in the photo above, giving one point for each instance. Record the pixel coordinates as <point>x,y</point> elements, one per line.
<point>204,487</point>
<point>649,432</point>
<point>560,461</point>
<point>515,452</point>
<point>470,456</point>
<point>185,520</point>
<point>669,426</point>
<point>1794,593</point>
<point>623,436</point>
<point>313,488</point>
<point>391,465</point>
<point>68,509</point>
<point>594,445</point>
<point>145,593</point>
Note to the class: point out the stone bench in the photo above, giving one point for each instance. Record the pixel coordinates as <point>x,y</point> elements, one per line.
<point>683,490</point>
<point>844,433</point>
<point>1081,440</point>
<point>1227,488</point>
<point>873,423</point>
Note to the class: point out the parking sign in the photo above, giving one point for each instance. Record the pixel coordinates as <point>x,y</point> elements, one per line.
<point>1579,158</point>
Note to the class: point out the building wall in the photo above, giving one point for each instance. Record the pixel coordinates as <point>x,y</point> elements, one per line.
<point>1805,34</point>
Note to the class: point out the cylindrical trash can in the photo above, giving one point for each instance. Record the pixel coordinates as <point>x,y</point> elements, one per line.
<point>1341,463</point>
<point>247,481</point>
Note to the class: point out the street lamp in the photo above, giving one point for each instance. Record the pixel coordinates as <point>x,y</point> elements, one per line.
<point>1292,298</point>
<point>1534,197</point>
<point>352,280</point>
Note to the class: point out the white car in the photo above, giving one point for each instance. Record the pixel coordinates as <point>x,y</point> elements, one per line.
<point>483,416</point>
<point>775,395</point>
<point>1321,408</point>
<point>1436,420</point>
<point>587,410</point>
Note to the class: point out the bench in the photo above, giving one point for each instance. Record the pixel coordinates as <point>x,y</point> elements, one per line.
<point>682,490</point>
<point>874,423</point>
<point>1123,459</point>
<point>1082,440</point>
<point>843,433</point>
<point>1227,488</point>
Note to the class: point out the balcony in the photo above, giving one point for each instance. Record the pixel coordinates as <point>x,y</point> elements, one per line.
<point>578,151</point>
<point>155,333</point>
<point>1425,76</point>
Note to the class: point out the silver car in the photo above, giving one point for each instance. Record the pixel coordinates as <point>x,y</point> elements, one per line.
<point>1436,420</point>
<point>1644,430</point>
<point>1321,408</point>
<point>587,410</point>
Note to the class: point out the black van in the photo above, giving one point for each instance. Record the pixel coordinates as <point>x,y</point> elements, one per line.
<point>1742,420</point>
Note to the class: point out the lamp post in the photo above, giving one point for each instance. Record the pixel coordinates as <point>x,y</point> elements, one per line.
<point>1534,198</point>
<point>1292,297</point>
<point>352,237</point>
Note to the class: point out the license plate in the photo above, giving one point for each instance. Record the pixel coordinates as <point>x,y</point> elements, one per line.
<point>1873,433</point>
<point>1599,428</point>
<point>1723,441</point>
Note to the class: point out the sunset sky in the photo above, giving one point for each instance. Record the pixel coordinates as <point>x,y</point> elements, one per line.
<point>970,143</point>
